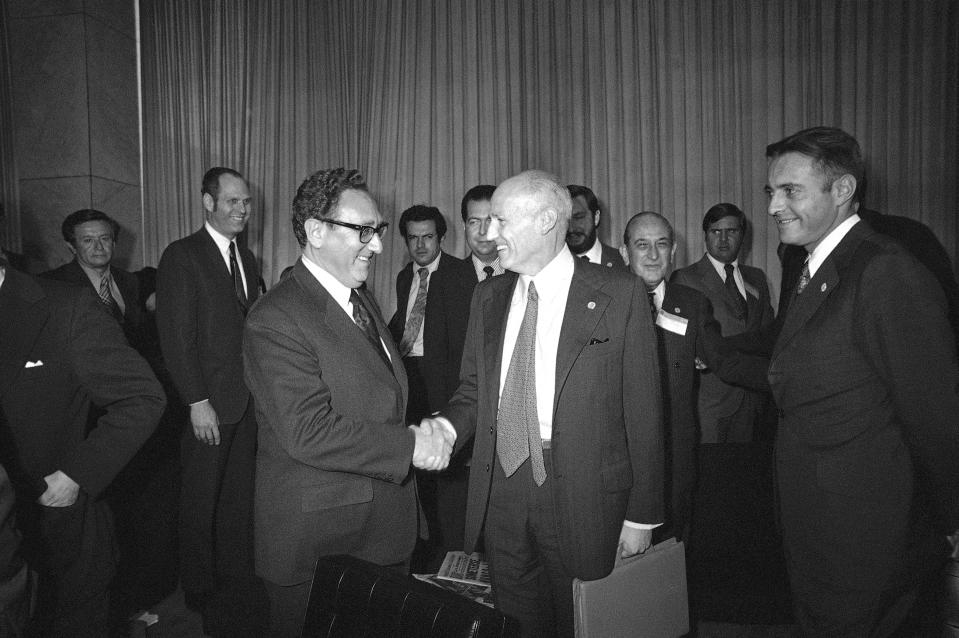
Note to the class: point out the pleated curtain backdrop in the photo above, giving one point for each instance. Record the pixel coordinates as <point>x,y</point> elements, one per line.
<point>662,105</point>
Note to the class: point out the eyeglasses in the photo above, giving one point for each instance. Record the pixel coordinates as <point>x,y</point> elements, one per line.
<point>366,232</point>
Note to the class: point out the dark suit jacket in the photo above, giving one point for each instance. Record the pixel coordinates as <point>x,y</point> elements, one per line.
<point>864,374</point>
<point>914,235</point>
<point>333,463</point>
<point>73,273</point>
<point>717,399</point>
<point>702,339</point>
<point>607,436</point>
<point>200,323</point>
<point>612,259</point>
<point>444,326</point>
<point>85,360</point>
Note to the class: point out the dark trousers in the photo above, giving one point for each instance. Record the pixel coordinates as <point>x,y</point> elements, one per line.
<point>216,506</point>
<point>74,550</point>
<point>522,545</point>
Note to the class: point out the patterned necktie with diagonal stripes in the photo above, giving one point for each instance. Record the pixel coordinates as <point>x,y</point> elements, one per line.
<point>517,422</point>
<point>415,321</point>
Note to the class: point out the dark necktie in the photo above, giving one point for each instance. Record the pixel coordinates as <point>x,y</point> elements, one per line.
<point>734,293</point>
<point>652,302</point>
<point>106,298</point>
<point>803,277</point>
<point>237,277</point>
<point>488,270</point>
<point>415,321</point>
<point>517,422</point>
<point>584,257</point>
<point>365,322</point>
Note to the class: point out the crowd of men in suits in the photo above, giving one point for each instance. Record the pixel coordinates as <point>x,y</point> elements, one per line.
<point>544,399</point>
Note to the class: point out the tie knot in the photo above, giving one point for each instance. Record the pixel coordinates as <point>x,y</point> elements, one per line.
<point>423,272</point>
<point>354,298</point>
<point>584,257</point>
<point>729,270</point>
<point>531,292</point>
<point>488,270</point>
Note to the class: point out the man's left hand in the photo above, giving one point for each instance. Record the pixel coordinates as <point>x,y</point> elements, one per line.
<point>634,541</point>
<point>61,491</point>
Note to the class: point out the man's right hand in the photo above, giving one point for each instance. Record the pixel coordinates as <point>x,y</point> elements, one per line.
<point>433,446</point>
<point>206,425</point>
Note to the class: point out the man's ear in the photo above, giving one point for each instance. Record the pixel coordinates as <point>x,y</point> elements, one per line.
<point>314,230</point>
<point>547,220</point>
<point>596,216</point>
<point>209,204</point>
<point>843,189</point>
<point>73,250</point>
<point>624,254</point>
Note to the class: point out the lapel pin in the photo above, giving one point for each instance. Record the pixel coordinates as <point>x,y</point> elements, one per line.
<point>823,288</point>
<point>676,310</point>
<point>591,305</point>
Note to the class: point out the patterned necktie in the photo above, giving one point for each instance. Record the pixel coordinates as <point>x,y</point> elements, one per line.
<point>803,277</point>
<point>733,291</point>
<point>106,298</point>
<point>652,302</point>
<point>361,315</point>
<point>415,321</point>
<point>517,422</point>
<point>488,270</point>
<point>237,277</point>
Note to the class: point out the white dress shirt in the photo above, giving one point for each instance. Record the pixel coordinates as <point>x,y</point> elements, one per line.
<point>829,243</point>
<point>479,265</point>
<point>595,253</point>
<point>223,243</point>
<point>95,278</point>
<point>431,267</point>
<point>737,275</point>
<point>339,292</point>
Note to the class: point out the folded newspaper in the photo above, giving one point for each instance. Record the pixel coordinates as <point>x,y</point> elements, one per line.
<point>465,568</point>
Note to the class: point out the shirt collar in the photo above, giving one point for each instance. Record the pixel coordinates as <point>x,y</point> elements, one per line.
<point>659,293</point>
<point>554,278</point>
<point>339,292</point>
<point>479,264</point>
<point>829,243</point>
<point>595,253</point>
<point>721,267</point>
<point>94,276</point>
<point>430,267</point>
<point>222,241</point>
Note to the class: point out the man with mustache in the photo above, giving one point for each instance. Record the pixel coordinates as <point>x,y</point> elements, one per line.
<point>581,236</point>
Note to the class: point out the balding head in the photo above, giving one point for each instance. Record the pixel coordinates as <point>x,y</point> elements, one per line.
<point>531,214</point>
<point>649,247</point>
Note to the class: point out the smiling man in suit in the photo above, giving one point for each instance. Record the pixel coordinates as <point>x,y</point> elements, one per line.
<point>864,374</point>
<point>333,465</point>
<point>567,472</point>
<point>205,284</point>
<point>740,299</point>
<point>60,354</point>
<point>687,333</point>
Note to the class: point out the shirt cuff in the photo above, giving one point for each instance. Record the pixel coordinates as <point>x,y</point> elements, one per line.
<point>641,525</point>
<point>198,402</point>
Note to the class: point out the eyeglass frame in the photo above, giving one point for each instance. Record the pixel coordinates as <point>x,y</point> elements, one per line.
<point>361,229</point>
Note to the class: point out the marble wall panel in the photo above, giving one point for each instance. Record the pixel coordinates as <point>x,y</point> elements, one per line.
<point>35,8</point>
<point>48,74</point>
<point>118,14</point>
<point>112,89</point>
<point>122,202</point>
<point>44,203</point>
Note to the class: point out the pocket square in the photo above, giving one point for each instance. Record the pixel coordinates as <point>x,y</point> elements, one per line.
<point>594,341</point>
<point>33,364</point>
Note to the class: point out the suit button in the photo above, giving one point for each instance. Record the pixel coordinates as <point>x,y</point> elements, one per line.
<point>491,429</point>
<point>487,467</point>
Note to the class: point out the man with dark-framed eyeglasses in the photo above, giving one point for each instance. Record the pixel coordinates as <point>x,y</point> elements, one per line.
<point>333,463</point>
<point>739,295</point>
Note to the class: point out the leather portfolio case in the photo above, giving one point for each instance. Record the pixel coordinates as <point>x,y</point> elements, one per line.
<point>644,596</point>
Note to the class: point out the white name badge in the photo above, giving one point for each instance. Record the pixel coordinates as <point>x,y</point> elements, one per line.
<point>671,322</point>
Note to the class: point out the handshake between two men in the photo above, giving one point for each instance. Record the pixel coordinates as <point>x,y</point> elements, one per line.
<point>434,444</point>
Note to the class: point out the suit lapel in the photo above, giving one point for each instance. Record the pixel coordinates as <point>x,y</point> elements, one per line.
<point>585,305</point>
<point>22,319</point>
<point>804,306</point>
